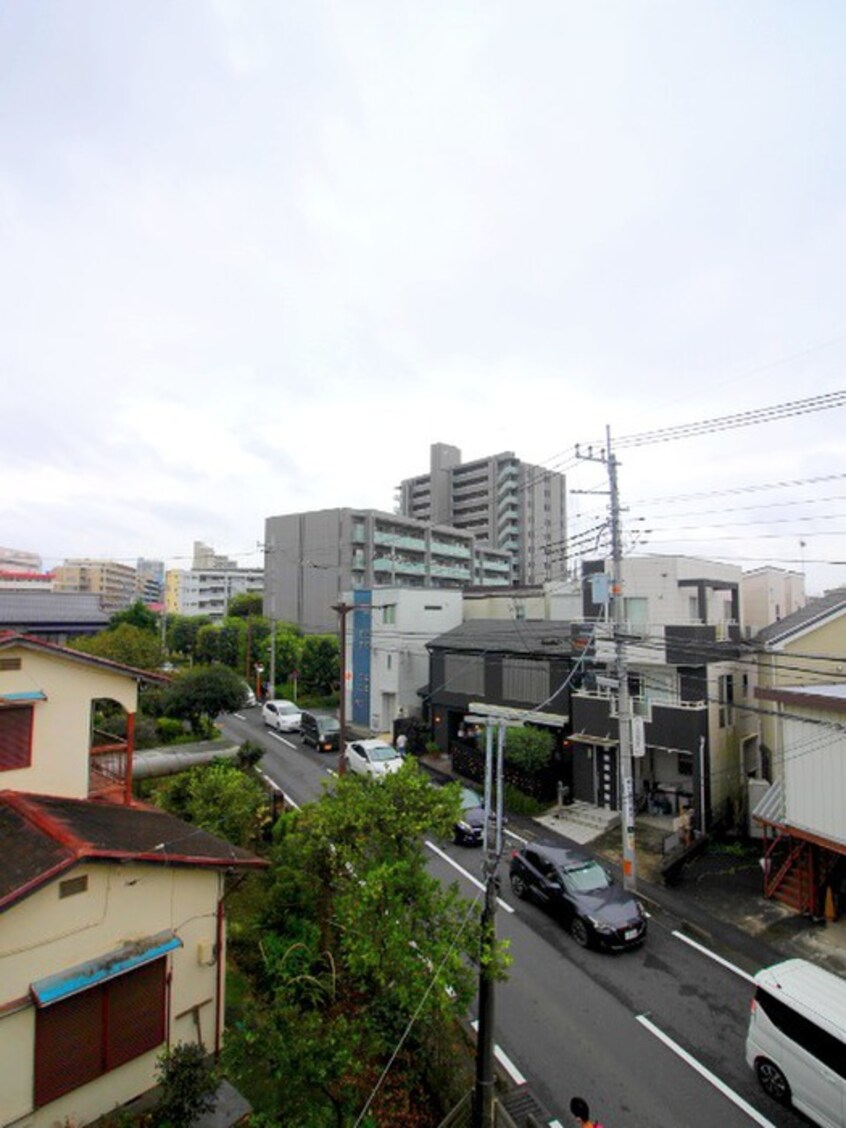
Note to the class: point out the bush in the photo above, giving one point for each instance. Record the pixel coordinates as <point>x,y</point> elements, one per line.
<point>188,1085</point>
<point>529,748</point>
<point>169,729</point>
<point>519,803</point>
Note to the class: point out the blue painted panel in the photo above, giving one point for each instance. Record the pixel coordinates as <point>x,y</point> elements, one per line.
<point>85,975</point>
<point>361,659</point>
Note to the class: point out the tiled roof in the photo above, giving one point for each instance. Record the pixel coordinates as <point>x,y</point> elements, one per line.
<point>511,636</point>
<point>42,835</point>
<point>816,610</point>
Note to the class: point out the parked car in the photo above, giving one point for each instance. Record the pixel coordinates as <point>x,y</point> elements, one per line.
<point>249,697</point>
<point>284,716</point>
<point>571,883</point>
<point>321,730</point>
<point>469,830</point>
<point>372,758</point>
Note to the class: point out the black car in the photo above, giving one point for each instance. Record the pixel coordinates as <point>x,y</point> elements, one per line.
<point>321,730</point>
<point>572,883</point>
<point>468,830</point>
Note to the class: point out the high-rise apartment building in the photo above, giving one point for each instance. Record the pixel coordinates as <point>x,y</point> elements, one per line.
<point>506,504</point>
<point>149,580</point>
<point>19,560</point>
<point>207,587</point>
<point>114,583</point>
<point>311,559</point>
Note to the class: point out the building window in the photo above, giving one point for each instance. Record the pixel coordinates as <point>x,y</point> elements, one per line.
<point>80,1038</point>
<point>389,615</point>
<point>636,610</point>
<point>15,737</point>
<point>726,700</point>
<point>464,673</point>
<point>525,680</point>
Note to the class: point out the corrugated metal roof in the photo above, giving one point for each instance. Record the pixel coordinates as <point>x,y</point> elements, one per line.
<point>770,809</point>
<point>19,609</point>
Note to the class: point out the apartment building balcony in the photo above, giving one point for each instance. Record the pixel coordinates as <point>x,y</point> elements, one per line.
<point>669,722</point>
<point>439,548</point>
<point>399,540</point>
<point>451,572</point>
<point>399,567</point>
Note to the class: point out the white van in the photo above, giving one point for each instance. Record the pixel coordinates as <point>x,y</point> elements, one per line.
<point>797,1039</point>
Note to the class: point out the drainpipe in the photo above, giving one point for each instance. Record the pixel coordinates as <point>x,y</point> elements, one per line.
<point>218,1009</point>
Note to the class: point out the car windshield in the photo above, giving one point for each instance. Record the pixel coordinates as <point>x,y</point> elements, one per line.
<point>470,799</point>
<point>378,753</point>
<point>287,710</point>
<point>329,725</point>
<point>586,877</point>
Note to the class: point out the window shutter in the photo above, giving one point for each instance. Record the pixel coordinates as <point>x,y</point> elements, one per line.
<point>15,737</point>
<point>68,1046</point>
<point>136,1014</point>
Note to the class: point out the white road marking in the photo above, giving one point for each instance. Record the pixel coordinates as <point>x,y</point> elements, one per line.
<point>276,736</point>
<point>504,1060</point>
<point>555,1124</point>
<point>288,800</point>
<point>516,837</point>
<point>442,854</point>
<point>713,955</point>
<point>719,1085</point>
<point>240,716</point>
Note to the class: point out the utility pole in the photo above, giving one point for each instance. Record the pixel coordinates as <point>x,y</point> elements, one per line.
<point>624,719</point>
<point>621,675</point>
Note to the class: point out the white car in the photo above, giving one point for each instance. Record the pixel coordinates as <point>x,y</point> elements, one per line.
<point>284,716</point>
<point>374,758</point>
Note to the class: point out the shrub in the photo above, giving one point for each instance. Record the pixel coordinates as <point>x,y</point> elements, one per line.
<point>519,803</point>
<point>169,729</point>
<point>188,1085</point>
<point>529,748</point>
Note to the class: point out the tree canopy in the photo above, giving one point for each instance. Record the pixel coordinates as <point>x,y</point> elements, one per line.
<point>320,664</point>
<point>199,694</point>
<point>138,615</point>
<point>357,953</point>
<point>245,604</point>
<point>218,797</point>
<point>131,645</point>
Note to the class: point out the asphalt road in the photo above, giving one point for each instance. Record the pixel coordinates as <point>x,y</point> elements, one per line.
<point>653,1038</point>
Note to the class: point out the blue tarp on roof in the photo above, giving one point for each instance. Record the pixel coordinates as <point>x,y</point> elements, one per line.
<point>55,987</point>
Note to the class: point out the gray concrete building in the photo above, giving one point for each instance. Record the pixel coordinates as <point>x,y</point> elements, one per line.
<point>312,558</point>
<point>507,504</point>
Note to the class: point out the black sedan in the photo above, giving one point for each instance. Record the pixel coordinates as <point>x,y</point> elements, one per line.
<point>573,884</point>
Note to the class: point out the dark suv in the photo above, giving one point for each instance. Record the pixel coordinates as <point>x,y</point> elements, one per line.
<point>573,884</point>
<point>321,730</point>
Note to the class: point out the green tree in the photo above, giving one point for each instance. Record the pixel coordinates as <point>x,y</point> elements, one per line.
<point>130,645</point>
<point>138,615</point>
<point>198,695</point>
<point>187,1083</point>
<point>529,748</point>
<point>245,604</point>
<point>207,644</point>
<point>358,947</point>
<point>220,798</point>
<point>182,633</point>
<point>231,643</point>
<point>319,664</point>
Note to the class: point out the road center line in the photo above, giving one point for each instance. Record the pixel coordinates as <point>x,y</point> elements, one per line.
<point>713,956</point>
<point>710,1077</point>
<point>504,1060</point>
<point>282,739</point>
<point>443,854</point>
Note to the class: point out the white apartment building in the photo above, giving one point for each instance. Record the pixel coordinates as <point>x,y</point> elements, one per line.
<point>386,653</point>
<point>208,591</point>
<point>114,583</point>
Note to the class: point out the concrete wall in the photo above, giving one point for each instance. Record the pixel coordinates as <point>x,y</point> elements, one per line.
<point>45,935</point>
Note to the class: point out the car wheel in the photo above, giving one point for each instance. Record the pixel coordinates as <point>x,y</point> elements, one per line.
<point>773,1081</point>
<point>580,932</point>
<point>519,886</point>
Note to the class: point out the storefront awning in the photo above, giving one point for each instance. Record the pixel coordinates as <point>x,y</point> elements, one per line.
<point>586,738</point>
<point>55,987</point>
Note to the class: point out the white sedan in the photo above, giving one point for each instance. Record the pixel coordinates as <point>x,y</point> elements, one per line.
<point>284,716</point>
<point>373,758</point>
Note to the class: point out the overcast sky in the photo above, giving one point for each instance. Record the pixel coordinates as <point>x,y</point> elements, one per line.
<point>256,257</point>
